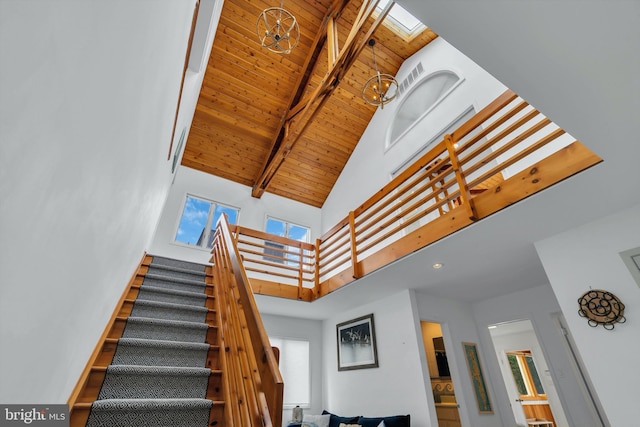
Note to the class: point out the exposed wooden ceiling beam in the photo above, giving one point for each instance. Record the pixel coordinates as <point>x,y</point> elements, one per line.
<point>334,10</point>
<point>307,109</point>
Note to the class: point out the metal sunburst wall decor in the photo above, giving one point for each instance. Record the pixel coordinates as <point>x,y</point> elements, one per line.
<point>601,308</point>
<point>278,29</point>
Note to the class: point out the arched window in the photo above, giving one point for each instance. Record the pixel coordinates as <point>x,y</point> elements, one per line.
<point>422,98</point>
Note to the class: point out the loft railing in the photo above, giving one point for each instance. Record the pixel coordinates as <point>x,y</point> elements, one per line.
<point>505,153</point>
<point>253,386</point>
<point>269,257</point>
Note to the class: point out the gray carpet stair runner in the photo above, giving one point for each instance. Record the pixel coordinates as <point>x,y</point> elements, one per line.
<point>158,376</point>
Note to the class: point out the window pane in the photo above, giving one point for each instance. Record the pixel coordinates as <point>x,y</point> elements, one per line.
<point>517,374</point>
<point>295,369</point>
<point>276,250</point>
<point>193,222</point>
<point>299,233</point>
<point>232,214</point>
<point>534,375</point>
<point>277,227</point>
<point>420,99</point>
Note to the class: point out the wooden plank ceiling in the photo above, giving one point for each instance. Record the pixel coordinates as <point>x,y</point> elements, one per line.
<point>243,129</point>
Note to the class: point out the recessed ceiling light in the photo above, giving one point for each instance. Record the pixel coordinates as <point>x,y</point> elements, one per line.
<point>492,327</point>
<point>438,265</point>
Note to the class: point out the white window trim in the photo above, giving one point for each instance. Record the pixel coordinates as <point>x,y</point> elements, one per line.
<point>388,143</point>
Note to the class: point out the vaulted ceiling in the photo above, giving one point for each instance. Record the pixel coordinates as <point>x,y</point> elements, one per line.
<point>287,123</point>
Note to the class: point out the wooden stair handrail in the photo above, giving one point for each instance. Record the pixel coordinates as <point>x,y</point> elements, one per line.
<point>265,385</point>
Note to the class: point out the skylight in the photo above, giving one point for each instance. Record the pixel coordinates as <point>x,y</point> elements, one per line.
<point>401,20</point>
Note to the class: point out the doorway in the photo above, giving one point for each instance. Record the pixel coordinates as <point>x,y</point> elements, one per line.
<point>441,383</point>
<point>527,378</point>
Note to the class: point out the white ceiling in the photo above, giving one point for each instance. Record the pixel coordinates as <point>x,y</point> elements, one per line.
<point>577,62</point>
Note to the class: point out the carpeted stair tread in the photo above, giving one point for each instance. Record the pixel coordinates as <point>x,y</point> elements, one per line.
<point>152,293</point>
<point>163,345</point>
<point>161,329</point>
<point>150,412</point>
<point>166,270</point>
<point>174,283</point>
<point>174,279</point>
<point>155,370</point>
<point>185,265</point>
<point>167,310</point>
<point>140,382</point>
<point>133,351</point>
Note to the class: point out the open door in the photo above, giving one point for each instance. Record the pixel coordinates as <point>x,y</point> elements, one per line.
<point>533,397</point>
<point>444,396</point>
<point>531,393</point>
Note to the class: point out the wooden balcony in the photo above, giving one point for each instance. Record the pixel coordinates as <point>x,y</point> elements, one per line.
<point>505,153</point>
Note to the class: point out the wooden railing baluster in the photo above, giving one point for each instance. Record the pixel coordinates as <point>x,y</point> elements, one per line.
<point>354,251</point>
<point>465,193</point>
<point>253,383</point>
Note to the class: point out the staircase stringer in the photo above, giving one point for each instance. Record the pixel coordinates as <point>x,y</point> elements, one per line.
<point>79,411</point>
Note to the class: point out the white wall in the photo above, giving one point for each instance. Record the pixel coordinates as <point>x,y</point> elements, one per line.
<point>208,17</point>
<point>89,93</point>
<point>253,211</point>
<point>588,257</point>
<point>397,386</point>
<point>539,305</point>
<point>477,90</point>
<point>305,329</point>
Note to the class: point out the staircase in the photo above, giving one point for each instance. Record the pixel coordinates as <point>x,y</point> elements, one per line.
<point>159,364</point>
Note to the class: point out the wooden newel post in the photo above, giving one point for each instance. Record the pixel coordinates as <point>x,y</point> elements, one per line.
<point>354,250</point>
<point>465,194</point>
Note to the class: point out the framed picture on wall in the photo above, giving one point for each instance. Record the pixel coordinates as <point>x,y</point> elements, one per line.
<point>357,344</point>
<point>477,378</point>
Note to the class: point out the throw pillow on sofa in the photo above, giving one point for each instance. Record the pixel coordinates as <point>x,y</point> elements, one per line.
<point>393,421</point>
<point>335,420</point>
<point>318,420</point>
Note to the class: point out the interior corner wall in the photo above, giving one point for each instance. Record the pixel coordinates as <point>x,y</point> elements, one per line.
<point>588,257</point>
<point>89,95</point>
<point>370,166</point>
<point>540,306</point>
<point>253,211</point>
<point>397,386</point>
<point>458,326</point>
<point>303,329</point>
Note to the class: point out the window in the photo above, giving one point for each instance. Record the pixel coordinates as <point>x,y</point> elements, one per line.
<point>287,229</point>
<point>295,369</point>
<point>526,375</point>
<point>198,220</point>
<point>424,97</point>
<point>400,21</point>
<point>278,251</point>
